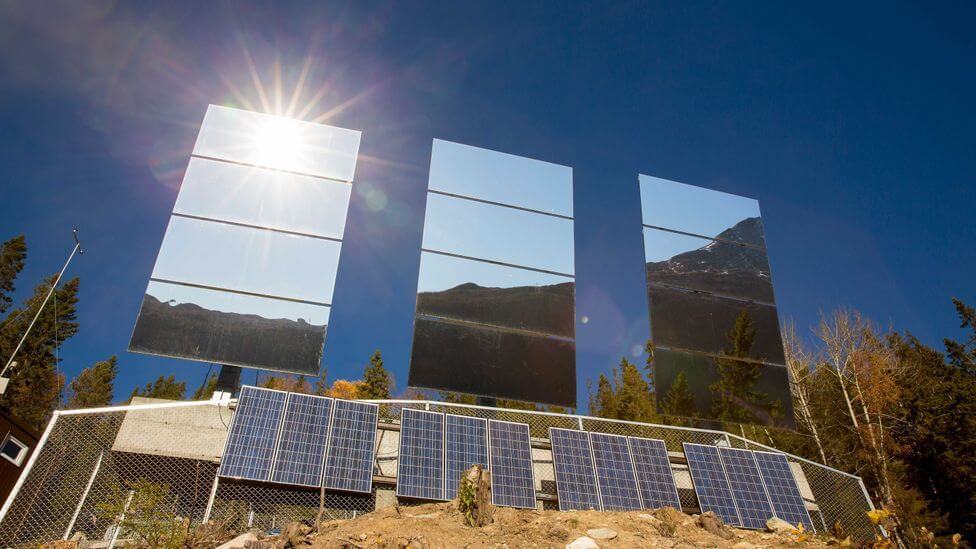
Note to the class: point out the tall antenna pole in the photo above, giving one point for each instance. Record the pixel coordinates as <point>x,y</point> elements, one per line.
<point>77,248</point>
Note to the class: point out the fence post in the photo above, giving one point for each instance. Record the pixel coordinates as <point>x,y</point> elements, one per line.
<point>30,465</point>
<point>210,502</point>
<point>118,525</point>
<point>84,496</point>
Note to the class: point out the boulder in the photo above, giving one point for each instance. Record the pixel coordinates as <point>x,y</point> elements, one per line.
<point>780,526</point>
<point>714,525</point>
<point>601,533</point>
<point>583,543</point>
<point>239,542</point>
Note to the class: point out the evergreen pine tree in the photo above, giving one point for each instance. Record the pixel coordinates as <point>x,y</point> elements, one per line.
<point>35,385</point>
<point>603,403</point>
<point>377,382</point>
<point>735,398</point>
<point>634,400</point>
<point>206,389</point>
<point>678,401</point>
<point>94,385</point>
<point>12,255</point>
<point>164,387</point>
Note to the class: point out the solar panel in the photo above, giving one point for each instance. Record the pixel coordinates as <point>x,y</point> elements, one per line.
<point>782,489</point>
<point>510,461</point>
<point>654,476</point>
<point>575,477</point>
<point>301,445</point>
<point>711,483</point>
<point>420,466</point>
<point>250,444</point>
<point>352,443</point>
<point>747,487</point>
<point>466,444</point>
<point>615,472</point>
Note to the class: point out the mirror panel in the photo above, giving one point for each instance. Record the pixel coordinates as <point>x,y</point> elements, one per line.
<point>228,328</point>
<point>695,385</point>
<point>701,322</point>
<point>265,198</point>
<point>710,265</point>
<point>496,233</point>
<point>490,362</point>
<point>248,260</point>
<point>700,211</point>
<point>500,177</point>
<point>484,293</point>
<point>277,142</point>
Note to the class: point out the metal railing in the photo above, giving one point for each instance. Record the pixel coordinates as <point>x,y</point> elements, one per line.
<point>87,457</point>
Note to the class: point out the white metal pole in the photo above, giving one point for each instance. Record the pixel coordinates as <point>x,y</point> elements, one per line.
<point>77,248</point>
<point>210,502</point>
<point>30,465</point>
<point>118,525</point>
<point>84,496</point>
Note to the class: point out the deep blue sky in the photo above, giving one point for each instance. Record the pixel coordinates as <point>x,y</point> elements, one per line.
<point>852,124</point>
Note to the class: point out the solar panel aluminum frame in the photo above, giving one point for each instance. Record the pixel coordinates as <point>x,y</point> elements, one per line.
<point>796,482</point>
<point>673,484</point>
<point>633,469</point>
<point>443,452</point>
<point>685,446</point>
<point>487,448</point>
<point>493,469</point>
<point>328,441</point>
<point>277,436</point>
<point>596,484</point>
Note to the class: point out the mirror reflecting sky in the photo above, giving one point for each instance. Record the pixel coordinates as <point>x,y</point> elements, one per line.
<point>691,209</point>
<point>497,233</point>
<point>247,259</point>
<point>500,177</point>
<point>278,142</point>
<point>262,197</point>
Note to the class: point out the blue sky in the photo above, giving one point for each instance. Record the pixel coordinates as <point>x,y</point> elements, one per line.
<point>851,124</point>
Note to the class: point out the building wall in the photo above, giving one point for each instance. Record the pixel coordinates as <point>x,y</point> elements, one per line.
<point>11,425</point>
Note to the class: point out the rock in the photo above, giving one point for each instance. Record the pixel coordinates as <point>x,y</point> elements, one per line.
<point>713,525</point>
<point>601,533</point>
<point>779,526</point>
<point>557,533</point>
<point>417,544</point>
<point>240,541</point>
<point>293,534</point>
<point>650,518</point>
<point>583,543</point>
<point>743,545</point>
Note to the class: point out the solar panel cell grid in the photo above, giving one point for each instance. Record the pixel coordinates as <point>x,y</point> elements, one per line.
<point>250,444</point>
<point>352,438</point>
<point>466,444</point>
<point>615,472</point>
<point>572,460</point>
<point>301,444</point>
<point>711,483</point>
<point>510,461</point>
<point>747,487</point>
<point>654,476</point>
<point>420,468</point>
<point>782,489</point>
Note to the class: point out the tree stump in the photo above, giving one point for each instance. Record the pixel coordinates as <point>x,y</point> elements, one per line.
<point>474,497</point>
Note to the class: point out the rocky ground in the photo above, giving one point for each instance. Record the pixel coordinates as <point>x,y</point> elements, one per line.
<point>442,525</point>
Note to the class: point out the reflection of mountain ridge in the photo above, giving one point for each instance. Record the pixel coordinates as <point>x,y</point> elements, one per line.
<point>546,309</point>
<point>720,266</point>
<point>191,331</point>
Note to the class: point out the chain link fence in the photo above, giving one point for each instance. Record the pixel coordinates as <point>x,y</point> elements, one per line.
<point>90,462</point>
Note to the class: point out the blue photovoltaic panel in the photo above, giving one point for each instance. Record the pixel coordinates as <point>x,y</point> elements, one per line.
<point>352,439</point>
<point>466,444</point>
<point>420,466</point>
<point>782,489</point>
<point>711,482</point>
<point>615,472</point>
<point>301,445</point>
<point>253,432</point>
<point>654,476</point>
<point>747,487</point>
<point>510,462</point>
<point>575,476</point>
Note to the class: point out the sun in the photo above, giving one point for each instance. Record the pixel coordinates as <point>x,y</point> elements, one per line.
<point>278,142</point>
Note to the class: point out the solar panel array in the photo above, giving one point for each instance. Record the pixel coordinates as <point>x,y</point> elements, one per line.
<point>572,459</point>
<point>615,472</point>
<point>301,446</point>
<point>782,488</point>
<point>747,487</point>
<point>654,476</point>
<point>420,465</point>
<point>711,482</point>
<point>510,462</point>
<point>352,446</point>
<point>250,445</point>
<point>466,444</point>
